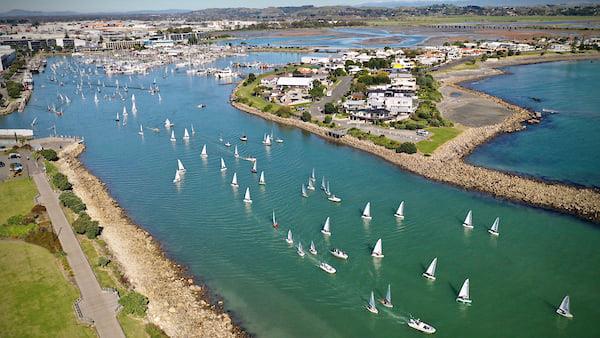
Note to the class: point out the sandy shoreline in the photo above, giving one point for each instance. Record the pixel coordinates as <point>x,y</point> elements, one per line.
<point>447,164</point>
<point>177,304</point>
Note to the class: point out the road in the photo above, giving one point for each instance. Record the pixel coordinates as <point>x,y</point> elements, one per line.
<point>97,304</point>
<point>337,93</point>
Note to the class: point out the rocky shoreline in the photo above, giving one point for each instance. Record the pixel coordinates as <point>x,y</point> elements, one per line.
<point>447,164</point>
<point>177,304</point>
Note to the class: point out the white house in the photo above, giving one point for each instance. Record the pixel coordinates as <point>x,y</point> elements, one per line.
<point>301,82</point>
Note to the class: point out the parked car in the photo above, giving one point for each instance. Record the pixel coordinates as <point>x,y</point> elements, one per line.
<point>14,155</point>
<point>2,164</point>
<point>16,167</point>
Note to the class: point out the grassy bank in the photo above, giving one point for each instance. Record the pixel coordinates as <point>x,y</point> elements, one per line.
<point>40,300</point>
<point>450,19</point>
<point>439,136</point>
<point>16,197</point>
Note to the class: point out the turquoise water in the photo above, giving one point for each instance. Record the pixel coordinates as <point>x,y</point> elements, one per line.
<point>337,38</point>
<point>517,280</point>
<point>564,147</point>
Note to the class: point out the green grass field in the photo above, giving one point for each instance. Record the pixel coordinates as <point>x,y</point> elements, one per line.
<point>40,301</point>
<point>16,197</point>
<point>432,20</point>
<point>439,137</point>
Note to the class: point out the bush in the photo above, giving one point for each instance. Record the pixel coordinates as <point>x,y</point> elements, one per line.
<point>103,261</point>
<point>49,154</point>
<point>407,148</point>
<point>71,201</point>
<point>44,238</point>
<point>85,225</point>
<point>15,220</point>
<point>330,108</point>
<point>267,108</point>
<point>306,116</point>
<point>154,331</point>
<point>134,303</point>
<point>284,112</point>
<point>14,89</point>
<point>61,182</point>
<point>327,119</point>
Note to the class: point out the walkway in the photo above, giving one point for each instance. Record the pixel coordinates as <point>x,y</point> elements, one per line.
<point>96,304</point>
<point>316,109</point>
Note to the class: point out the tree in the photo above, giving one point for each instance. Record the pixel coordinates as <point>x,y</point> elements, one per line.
<point>327,119</point>
<point>251,78</point>
<point>283,111</point>
<point>48,154</point>
<point>306,116</point>
<point>14,89</point>
<point>407,148</point>
<point>330,108</point>
<point>61,182</point>
<point>317,91</point>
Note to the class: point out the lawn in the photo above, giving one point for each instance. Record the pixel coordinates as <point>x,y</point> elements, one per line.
<point>439,136</point>
<point>37,300</point>
<point>16,197</point>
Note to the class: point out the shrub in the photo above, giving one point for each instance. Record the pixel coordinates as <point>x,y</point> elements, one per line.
<point>407,147</point>
<point>284,112</point>
<point>85,225</point>
<point>61,182</point>
<point>15,220</point>
<point>267,108</point>
<point>103,261</point>
<point>49,154</point>
<point>306,116</point>
<point>14,89</point>
<point>154,331</point>
<point>71,201</point>
<point>327,119</point>
<point>44,238</point>
<point>93,230</point>
<point>38,210</point>
<point>330,108</point>
<point>134,303</point>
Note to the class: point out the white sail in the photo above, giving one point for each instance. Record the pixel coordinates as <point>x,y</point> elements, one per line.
<point>312,175</point>
<point>247,198</point>
<point>177,177</point>
<point>311,185</point>
<point>565,308</point>
<point>494,229</point>
<point>204,154</point>
<point>186,135</point>
<point>430,272</point>
<point>168,123</point>
<point>323,186</point>
<point>388,295</point>
<point>378,249</point>
<point>304,194</point>
<point>400,212</point>
<point>133,98</point>
<point>326,227</point>
<point>193,131</point>
<point>468,223</point>
<point>254,167</point>
<point>234,181</point>
<point>274,220</point>
<point>141,132</point>
<point>235,152</point>
<point>313,249</point>
<point>180,166</point>
<point>96,98</point>
<point>261,180</point>
<point>327,191</point>
<point>173,136</point>
<point>223,167</point>
<point>124,111</point>
<point>133,107</point>
<point>463,295</point>
<point>367,211</point>
<point>289,238</point>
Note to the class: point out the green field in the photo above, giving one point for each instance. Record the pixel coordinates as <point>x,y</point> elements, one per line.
<point>40,301</point>
<point>439,136</point>
<point>16,197</point>
<point>452,19</point>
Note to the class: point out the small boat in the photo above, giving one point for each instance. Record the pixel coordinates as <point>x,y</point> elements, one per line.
<point>463,295</point>
<point>323,184</point>
<point>117,118</point>
<point>377,250</point>
<point>267,140</point>
<point>289,240</point>
<point>244,138</point>
<point>400,212</point>
<point>223,167</point>
<point>327,268</point>
<point>387,301</point>
<point>326,230</point>
<point>312,175</point>
<point>278,140</point>
<point>300,250</point>
<point>311,185</point>
<point>173,139</point>
<point>247,198</point>
<point>200,106</point>
<point>193,130</point>
<point>141,132</point>
<point>133,108</point>
<point>304,194</point>
<point>430,272</point>
<point>565,308</point>
<point>468,223</point>
<point>417,324</point>
<point>125,111</point>
<point>186,135</point>
<point>366,214</point>
<point>274,221</point>
<point>494,229</point>
<point>234,181</point>
<point>204,154</point>
<point>180,166</point>
<point>235,152</point>
<point>254,170</point>
<point>334,198</point>
<point>338,253</point>
<point>371,306</point>
<point>168,124</point>
<point>177,177</point>
<point>227,144</point>
<point>261,180</point>
<point>312,249</point>
<point>327,191</point>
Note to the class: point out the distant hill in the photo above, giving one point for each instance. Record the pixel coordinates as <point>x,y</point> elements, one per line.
<point>493,3</point>
<point>20,13</point>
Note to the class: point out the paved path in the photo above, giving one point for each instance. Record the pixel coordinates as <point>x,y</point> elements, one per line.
<point>316,109</point>
<point>96,304</point>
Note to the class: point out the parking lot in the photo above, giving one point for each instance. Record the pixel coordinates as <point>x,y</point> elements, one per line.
<point>7,162</point>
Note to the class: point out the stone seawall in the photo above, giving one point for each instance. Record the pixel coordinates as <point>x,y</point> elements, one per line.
<point>177,305</point>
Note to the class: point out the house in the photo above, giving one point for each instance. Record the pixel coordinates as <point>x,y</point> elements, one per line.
<point>299,82</point>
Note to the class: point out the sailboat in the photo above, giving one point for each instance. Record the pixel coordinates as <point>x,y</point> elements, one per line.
<point>377,250</point>
<point>468,223</point>
<point>338,253</point>
<point>387,301</point>
<point>463,295</point>
<point>193,131</point>
<point>326,228</point>
<point>168,124</point>
<point>133,107</point>
<point>173,139</point>
<point>177,177</point>
<point>312,249</point>
<point>289,240</point>
<point>125,111</point>
<point>204,154</point>
<point>235,152</point>
<point>186,135</point>
<point>117,118</point>
<point>323,186</point>
<point>327,191</point>
<point>141,132</point>
<point>247,198</point>
<point>267,140</point>
<point>261,180</point>
<point>565,308</point>
<point>311,185</point>
<point>223,167</point>
<point>275,224</point>
<point>254,170</point>
<point>367,211</point>
<point>304,194</point>
<point>371,306</point>
<point>300,250</point>
<point>400,212</point>
<point>234,182</point>
<point>312,175</point>
<point>96,98</point>
<point>180,166</point>
<point>494,229</point>
<point>430,272</point>
<point>133,98</point>
<point>334,198</point>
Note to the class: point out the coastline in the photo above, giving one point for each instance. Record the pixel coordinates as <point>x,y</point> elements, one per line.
<point>177,304</point>
<point>447,163</point>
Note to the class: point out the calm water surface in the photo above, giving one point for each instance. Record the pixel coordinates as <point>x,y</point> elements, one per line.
<point>565,146</point>
<point>517,280</point>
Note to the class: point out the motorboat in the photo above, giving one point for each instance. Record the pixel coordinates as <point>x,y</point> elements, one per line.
<point>327,268</point>
<point>339,253</point>
<point>419,325</point>
<point>334,198</point>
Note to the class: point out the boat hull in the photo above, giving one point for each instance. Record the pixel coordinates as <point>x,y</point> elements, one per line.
<point>386,304</point>
<point>425,328</point>
<point>366,217</point>
<point>463,300</point>
<point>374,255</point>
<point>326,233</point>
<point>468,226</point>
<point>372,309</point>
<point>247,201</point>
<point>492,232</point>
<point>428,276</point>
<point>564,314</point>
<point>399,216</point>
